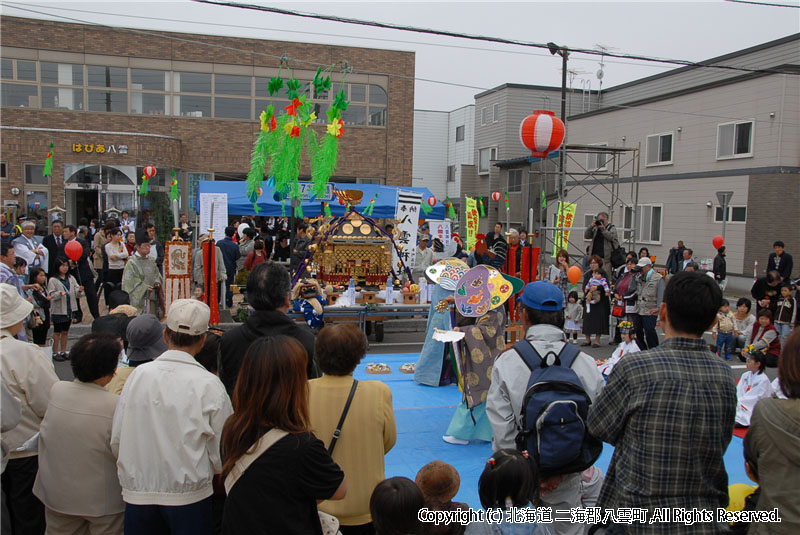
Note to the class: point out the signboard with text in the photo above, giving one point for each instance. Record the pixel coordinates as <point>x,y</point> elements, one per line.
<point>408,214</point>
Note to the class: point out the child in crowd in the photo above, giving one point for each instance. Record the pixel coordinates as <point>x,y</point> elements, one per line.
<point>509,479</point>
<point>439,483</point>
<point>786,312</point>
<point>753,386</point>
<point>64,292</point>
<point>595,285</point>
<point>21,269</point>
<point>723,329</point>
<point>628,345</point>
<point>573,314</point>
<point>41,304</point>
<point>764,337</point>
<point>394,506</point>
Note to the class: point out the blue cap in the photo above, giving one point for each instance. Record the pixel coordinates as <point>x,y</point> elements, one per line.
<point>543,295</point>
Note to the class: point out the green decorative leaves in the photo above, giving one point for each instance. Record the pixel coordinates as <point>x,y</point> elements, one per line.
<point>340,102</point>
<point>275,85</point>
<point>321,84</point>
<point>292,88</point>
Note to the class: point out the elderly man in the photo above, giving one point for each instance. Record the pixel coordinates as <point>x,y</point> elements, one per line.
<point>650,292</point>
<point>686,260</point>
<point>423,259</point>
<point>269,293</point>
<point>54,243</point>
<point>604,239</point>
<point>29,247</point>
<point>142,280</point>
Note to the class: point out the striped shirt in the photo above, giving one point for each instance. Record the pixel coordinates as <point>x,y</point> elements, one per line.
<point>669,412</point>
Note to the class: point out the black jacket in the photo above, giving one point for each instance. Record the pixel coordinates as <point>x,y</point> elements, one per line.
<point>762,290</point>
<point>260,323</point>
<point>720,267</point>
<point>53,249</point>
<point>116,324</point>
<point>785,266</point>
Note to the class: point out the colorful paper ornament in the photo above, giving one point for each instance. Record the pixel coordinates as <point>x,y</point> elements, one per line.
<point>544,200</point>
<point>451,213</point>
<point>326,209</point>
<point>480,206</point>
<point>542,132</point>
<point>150,171</point>
<point>505,198</point>
<point>145,187</point>
<point>426,208</point>
<point>432,200</point>
<point>480,290</point>
<point>495,196</point>
<point>446,273</point>
<point>48,163</point>
<point>370,206</point>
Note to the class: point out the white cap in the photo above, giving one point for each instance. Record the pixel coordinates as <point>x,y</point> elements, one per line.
<point>13,308</point>
<point>188,316</point>
<point>644,261</point>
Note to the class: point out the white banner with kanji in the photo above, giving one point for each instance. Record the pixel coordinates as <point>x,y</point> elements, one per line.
<point>408,207</point>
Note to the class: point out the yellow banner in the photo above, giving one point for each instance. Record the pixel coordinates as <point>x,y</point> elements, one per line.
<point>566,217</point>
<point>472,223</point>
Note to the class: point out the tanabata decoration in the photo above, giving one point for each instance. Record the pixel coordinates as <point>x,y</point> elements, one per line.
<point>74,250</point>
<point>544,200</point>
<point>480,206</point>
<point>173,187</point>
<point>370,206</point>
<point>432,201</point>
<point>48,163</point>
<point>505,198</point>
<point>495,196</point>
<point>451,213</point>
<point>426,207</point>
<point>279,147</point>
<point>542,132</point>
<point>718,241</point>
<point>149,172</point>
<point>326,209</point>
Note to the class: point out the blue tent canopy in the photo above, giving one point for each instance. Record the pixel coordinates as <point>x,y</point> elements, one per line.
<point>385,203</point>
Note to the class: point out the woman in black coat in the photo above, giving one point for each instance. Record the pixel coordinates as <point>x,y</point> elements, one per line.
<point>720,268</point>
<point>595,319</point>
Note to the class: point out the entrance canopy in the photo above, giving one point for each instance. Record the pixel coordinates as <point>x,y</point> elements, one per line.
<point>385,202</point>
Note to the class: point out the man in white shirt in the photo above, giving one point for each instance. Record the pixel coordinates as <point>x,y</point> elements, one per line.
<point>167,430</point>
<point>29,247</point>
<point>424,258</point>
<point>127,224</point>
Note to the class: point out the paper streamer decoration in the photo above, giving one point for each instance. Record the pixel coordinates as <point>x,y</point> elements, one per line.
<point>451,213</point>
<point>480,206</point>
<point>480,290</point>
<point>446,273</point>
<point>173,187</point>
<point>48,163</point>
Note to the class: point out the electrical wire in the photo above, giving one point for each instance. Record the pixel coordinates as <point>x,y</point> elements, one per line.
<point>552,47</point>
<point>769,4</point>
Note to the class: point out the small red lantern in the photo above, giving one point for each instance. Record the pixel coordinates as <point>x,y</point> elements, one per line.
<point>496,196</point>
<point>150,171</point>
<point>432,201</point>
<point>541,132</point>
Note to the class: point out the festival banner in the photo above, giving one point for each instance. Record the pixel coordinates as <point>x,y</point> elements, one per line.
<point>441,230</point>
<point>214,214</point>
<point>473,219</point>
<point>408,217</point>
<point>566,217</point>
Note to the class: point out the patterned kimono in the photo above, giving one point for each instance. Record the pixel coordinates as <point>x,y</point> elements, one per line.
<point>429,365</point>
<point>482,344</point>
<point>141,273</point>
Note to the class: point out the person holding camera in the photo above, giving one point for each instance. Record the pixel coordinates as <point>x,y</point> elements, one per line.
<point>604,239</point>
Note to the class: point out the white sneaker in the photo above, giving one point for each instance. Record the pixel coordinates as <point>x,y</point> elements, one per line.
<point>453,440</point>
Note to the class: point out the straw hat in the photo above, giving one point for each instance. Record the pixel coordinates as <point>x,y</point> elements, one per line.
<point>13,308</point>
<point>438,481</point>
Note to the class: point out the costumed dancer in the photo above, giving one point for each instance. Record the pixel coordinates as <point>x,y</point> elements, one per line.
<point>433,367</point>
<point>309,299</point>
<point>142,280</point>
<point>753,386</point>
<point>481,316</point>
<point>628,345</point>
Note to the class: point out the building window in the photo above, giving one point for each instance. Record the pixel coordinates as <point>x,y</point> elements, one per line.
<point>149,80</point>
<point>232,108</point>
<point>588,221</point>
<point>647,223</point>
<point>659,149</point>
<point>109,101</point>
<point>495,112</point>
<point>149,103</point>
<point>26,70</point>
<point>515,181</point>
<point>192,82</point>
<point>736,214</point>
<point>735,140</point>
<point>451,173</point>
<point>229,84</point>
<point>485,156</point>
<point>19,95</point>
<point>101,76</point>
<point>34,176</point>
<point>484,116</point>
<point>61,73</point>
<point>459,133</point>
<point>192,105</point>
<point>7,69</point>
<point>3,171</point>
<point>596,161</point>
<point>62,98</point>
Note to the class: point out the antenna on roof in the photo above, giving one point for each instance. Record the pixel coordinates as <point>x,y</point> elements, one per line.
<point>601,72</point>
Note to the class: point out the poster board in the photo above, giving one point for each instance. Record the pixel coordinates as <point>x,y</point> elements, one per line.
<point>408,207</point>
<point>219,202</point>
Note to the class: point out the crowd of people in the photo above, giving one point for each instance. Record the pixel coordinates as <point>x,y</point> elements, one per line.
<point>173,427</point>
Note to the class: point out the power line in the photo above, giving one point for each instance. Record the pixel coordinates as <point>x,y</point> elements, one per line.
<point>761,3</point>
<point>502,40</point>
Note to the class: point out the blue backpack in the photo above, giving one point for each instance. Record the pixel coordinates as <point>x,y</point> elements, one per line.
<point>554,412</point>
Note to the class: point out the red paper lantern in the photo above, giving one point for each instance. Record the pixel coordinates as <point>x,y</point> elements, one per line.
<point>718,241</point>
<point>541,132</point>
<point>150,171</point>
<point>496,196</point>
<point>432,200</point>
<point>73,250</point>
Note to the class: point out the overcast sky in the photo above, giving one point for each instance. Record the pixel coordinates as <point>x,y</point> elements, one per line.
<point>681,30</point>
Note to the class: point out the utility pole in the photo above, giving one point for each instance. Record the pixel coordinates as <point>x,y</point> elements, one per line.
<point>564,53</point>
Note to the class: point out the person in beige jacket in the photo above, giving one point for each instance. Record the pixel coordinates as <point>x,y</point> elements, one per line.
<point>368,432</point>
<point>29,375</point>
<point>75,445</point>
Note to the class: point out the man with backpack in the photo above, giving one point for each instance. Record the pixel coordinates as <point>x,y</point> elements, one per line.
<point>573,382</point>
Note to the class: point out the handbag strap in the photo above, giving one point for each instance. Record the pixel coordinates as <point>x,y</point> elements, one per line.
<point>338,430</point>
<point>264,443</point>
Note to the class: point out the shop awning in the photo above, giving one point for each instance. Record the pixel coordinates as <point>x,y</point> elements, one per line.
<point>385,203</point>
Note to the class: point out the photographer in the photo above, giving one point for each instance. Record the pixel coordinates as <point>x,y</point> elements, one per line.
<point>650,292</point>
<point>604,239</point>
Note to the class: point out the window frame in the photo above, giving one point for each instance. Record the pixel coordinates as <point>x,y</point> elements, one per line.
<point>589,156</point>
<point>638,224</point>
<point>517,187</point>
<point>751,141</point>
<point>451,173</point>
<point>460,130</point>
<point>718,211</point>
<point>660,137</point>
<point>3,170</point>
<point>484,116</point>
<point>496,112</point>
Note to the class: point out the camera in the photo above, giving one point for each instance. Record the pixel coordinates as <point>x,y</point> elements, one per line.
<point>597,222</point>
<point>636,269</point>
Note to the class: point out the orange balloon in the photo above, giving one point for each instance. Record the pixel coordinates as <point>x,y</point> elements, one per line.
<point>574,274</point>
<point>653,259</point>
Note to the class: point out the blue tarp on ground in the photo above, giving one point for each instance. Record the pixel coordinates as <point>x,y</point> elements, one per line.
<point>385,203</point>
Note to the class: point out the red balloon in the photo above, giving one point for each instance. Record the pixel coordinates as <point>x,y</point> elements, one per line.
<point>150,171</point>
<point>718,241</point>
<point>496,195</point>
<point>574,274</point>
<point>73,250</point>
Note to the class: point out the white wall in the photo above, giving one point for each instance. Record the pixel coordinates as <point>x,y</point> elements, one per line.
<point>461,152</point>
<point>429,166</point>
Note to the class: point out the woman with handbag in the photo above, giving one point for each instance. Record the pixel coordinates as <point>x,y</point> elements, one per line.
<point>365,419</point>
<point>623,306</point>
<point>275,469</point>
<point>39,322</point>
<point>64,294</point>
